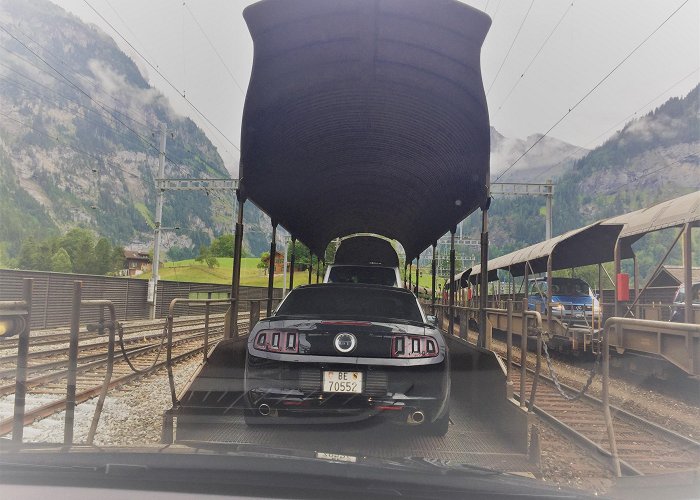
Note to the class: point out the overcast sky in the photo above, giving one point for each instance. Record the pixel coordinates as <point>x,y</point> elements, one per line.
<point>592,38</point>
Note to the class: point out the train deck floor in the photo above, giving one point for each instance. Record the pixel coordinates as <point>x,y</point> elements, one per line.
<point>471,439</point>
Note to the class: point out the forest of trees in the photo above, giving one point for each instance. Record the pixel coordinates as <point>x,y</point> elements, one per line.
<point>77,251</point>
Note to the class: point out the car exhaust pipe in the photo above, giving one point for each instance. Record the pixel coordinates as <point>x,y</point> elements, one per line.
<point>264,410</point>
<point>416,418</point>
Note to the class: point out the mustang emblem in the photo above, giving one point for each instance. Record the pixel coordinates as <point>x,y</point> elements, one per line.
<point>345,342</point>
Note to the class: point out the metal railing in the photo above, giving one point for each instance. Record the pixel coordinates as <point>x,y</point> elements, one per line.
<point>167,433</point>
<point>22,309</point>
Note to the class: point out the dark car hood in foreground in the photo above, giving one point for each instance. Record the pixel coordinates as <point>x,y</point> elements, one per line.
<point>258,471</point>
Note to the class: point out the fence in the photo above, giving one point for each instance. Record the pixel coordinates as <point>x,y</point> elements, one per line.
<point>52,295</point>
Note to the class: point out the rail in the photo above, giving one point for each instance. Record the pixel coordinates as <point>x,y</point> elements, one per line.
<point>538,331</point>
<point>9,310</point>
<point>207,303</point>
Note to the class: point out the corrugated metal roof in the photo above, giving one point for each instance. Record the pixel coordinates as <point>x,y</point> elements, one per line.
<point>595,243</point>
<point>366,116</point>
<point>579,247</point>
<point>671,213</point>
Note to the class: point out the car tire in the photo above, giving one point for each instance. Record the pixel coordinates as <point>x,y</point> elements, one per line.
<point>439,427</point>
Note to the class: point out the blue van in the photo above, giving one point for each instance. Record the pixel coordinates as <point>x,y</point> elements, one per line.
<point>573,300</point>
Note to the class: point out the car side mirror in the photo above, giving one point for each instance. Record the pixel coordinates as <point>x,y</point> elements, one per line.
<point>432,320</point>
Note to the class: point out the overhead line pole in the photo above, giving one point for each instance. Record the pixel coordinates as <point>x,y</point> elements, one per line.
<point>529,189</point>
<point>153,282</point>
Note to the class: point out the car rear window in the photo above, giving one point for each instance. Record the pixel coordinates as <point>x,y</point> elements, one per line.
<point>351,302</point>
<point>363,274</point>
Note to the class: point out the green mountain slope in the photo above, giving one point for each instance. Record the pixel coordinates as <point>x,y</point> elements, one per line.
<point>652,159</point>
<point>79,138</point>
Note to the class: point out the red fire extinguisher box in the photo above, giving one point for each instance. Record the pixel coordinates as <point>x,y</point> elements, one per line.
<point>623,287</point>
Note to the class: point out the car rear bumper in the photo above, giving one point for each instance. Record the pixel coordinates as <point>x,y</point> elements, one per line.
<point>337,408</point>
<point>287,392</point>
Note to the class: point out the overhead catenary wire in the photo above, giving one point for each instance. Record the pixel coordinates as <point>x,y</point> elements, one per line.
<point>73,84</point>
<point>614,189</point>
<point>75,112</point>
<point>213,47</point>
<point>71,146</point>
<point>155,68</point>
<point>110,112</point>
<point>512,44</point>
<point>532,60</point>
<point>593,89</point>
<point>89,81</point>
<point>617,124</point>
<point>103,106</point>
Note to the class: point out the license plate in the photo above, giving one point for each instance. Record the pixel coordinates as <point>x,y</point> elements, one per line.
<point>349,382</point>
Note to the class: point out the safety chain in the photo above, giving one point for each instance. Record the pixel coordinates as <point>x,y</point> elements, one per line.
<point>579,394</point>
<point>126,356</point>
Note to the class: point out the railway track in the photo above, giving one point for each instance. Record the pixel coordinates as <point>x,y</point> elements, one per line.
<point>643,447</point>
<point>40,339</point>
<point>58,358</point>
<point>50,388</point>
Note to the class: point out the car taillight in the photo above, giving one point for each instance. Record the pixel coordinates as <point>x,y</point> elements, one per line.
<point>285,341</point>
<point>413,346</point>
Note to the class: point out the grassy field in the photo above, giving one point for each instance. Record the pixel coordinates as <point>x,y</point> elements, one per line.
<point>199,272</point>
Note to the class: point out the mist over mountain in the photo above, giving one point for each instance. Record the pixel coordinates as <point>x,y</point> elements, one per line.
<point>651,159</point>
<point>550,158</point>
<point>79,140</point>
<point>79,148</point>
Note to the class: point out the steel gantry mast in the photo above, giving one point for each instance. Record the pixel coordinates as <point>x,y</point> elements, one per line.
<point>181,184</point>
<point>529,189</point>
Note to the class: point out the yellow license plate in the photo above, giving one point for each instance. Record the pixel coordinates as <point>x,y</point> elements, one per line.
<point>348,382</point>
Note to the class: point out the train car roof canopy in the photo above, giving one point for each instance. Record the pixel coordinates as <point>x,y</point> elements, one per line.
<point>595,243</point>
<point>670,213</point>
<point>366,116</point>
<point>579,247</point>
<point>366,250</point>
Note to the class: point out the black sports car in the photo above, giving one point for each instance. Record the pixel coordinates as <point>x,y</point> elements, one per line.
<point>339,352</point>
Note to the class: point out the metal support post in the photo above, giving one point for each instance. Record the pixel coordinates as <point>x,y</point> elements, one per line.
<point>451,324</point>
<point>417,275</point>
<point>523,354</point>
<point>618,267</point>
<point>434,284</point>
<point>153,282</point>
<point>311,265</point>
<point>688,273</point>
<point>548,212</point>
<point>606,401</point>
<point>291,270</point>
<point>635,264</point>
<point>549,291</point>
<point>509,349</point>
<point>318,268</point>
<point>232,330</point>
<point>206,333</point>
<point>271,271</point>
<point>21,371</point>
<point>405,274</point>
<point>284,268</point>
<point>410,276</point>
<point>484,281</point>
<point>72,363</point>
<point>600,297</point>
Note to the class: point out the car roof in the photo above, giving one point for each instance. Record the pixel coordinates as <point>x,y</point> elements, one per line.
<point>387,288</point>
<point>557,278</point>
